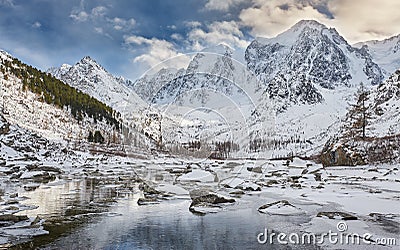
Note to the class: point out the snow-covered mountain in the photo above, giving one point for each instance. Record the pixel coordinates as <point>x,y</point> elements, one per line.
<point>215,93</point>
<point>212,69</point>
<point>91,78</point>
<point>385,102</point>
<point>308,55</point>
<point>148,86</point>
<point>385,53</point>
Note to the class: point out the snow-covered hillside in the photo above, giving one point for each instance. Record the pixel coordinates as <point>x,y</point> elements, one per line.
<point>150,84</point>
<point>385,53</point>
<point>385,101</point>
<point>370,132</point>
<point>91,78</point>
<point>24,108</point>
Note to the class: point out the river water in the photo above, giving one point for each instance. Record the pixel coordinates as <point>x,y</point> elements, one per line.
<point>82,214</point>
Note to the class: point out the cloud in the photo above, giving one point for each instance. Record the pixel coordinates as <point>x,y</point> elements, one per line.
<point>36,25</point>
<point>99,11</point>
<point>177,36</point>
<point>216,33</point>
<point>360,20</point>
<point>172,27</point>
<point>192,24</point>
<point>79,16</point>
<point>222,5</point>
<point>9,3</point>
<point>269,18</point>
<point>158,51</point>
<point>139,40</point>
<point>122,24</point>
<point>98,15</point>
<point>99,30</point>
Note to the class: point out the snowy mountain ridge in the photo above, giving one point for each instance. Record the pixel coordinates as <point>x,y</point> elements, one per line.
<point>91,78</point>
<point>307,73</point>
<point>385,53</point>
<point>319,55</point>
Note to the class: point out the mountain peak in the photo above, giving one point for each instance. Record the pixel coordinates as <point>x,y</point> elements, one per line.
<point>221,48</point>
<point>91,78</point>
<point>290,36</point>
<point>88,62</point>
<point>88,59</point>
<point>384,52</point>
<point>309,23</point>
<point>310,48</point>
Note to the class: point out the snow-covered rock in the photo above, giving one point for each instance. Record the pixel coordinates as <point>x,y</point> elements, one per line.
<point>282,207</point>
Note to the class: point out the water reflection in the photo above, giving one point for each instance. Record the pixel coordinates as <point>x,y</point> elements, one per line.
<point>69,204</point>
<point>55,197</point>
<point>126,225</point>
<point>170,225</point>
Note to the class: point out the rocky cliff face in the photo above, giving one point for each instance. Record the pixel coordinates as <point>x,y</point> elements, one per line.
<point>307,56</point>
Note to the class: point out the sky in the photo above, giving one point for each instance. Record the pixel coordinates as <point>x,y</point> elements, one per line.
<point>128,37</point>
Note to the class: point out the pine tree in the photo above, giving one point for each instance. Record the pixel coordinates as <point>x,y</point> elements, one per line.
<point>358,117</point>
<point>98,137</point>
<point>90,137</point>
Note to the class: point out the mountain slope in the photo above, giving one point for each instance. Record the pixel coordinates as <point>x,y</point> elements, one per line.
<point>91,78</point>
<point>385,53</point>
<point>304,57</point>
<point>206,72</point>
<point>39,102</point>
<point>379,117</point>
<point>149,85</point>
